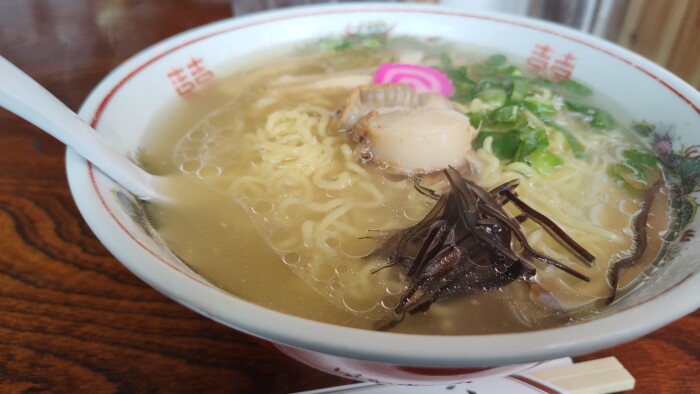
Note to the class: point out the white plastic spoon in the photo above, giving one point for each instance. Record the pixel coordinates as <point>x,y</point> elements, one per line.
<point>22,95</point>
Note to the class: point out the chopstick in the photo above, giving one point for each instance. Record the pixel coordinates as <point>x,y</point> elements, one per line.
<point>601,376</point>
<point>605,375</point>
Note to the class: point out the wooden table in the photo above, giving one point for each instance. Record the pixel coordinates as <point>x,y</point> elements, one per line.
<point>72,318</point>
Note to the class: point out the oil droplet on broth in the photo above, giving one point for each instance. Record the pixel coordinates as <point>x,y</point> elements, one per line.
<point>262,207</point>
<point>322,272</point>
<point>295,211</point>
<point>191,166</point>
<point>208,172</point>
<point>334,284</point>
<point>332,242</point>
<point>197,135</point>
<point>389,302</point>
<point>341,269</point>
<point>414,212</point>
<point>191,153</point>
<point>355,299</point>
<point>291,258</point>
<point>286,239</point>
<point>254,191</point>
<point>358,247</point>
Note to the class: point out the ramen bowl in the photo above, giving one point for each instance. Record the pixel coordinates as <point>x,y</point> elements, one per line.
<point>122,108</point>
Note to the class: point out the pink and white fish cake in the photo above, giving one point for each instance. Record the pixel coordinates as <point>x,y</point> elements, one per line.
<point>421,78</point>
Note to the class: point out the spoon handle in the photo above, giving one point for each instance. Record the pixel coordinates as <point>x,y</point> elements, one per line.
<point>23,96</point>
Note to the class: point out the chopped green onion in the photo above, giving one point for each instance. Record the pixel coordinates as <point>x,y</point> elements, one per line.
<point>640,158</point>
<point>635,170</point>
<point>544,161</point>
<point>477,118</point>
<point>505,118</point>
<point>627,177</point>
<point>446,61</point>
<point>541,83</point>
<point>530,140</point>
<point>464,88</point>
<point>573,88</point>
<point>495,61</point>
<point>594,116</point>
<point>335,44</point>
<point>496,97</point>
<point>368,36</point>
<point>372,43</point>
<point>490,83</point>
<point>504,145</point>
<point>519,89</point>
<point>603,120</point>
<point>509,116</point>
<point>538,106</point>
<point>575,146</point>
<point>643,128</point>
<point>509,71</point>
<point>481,70</point>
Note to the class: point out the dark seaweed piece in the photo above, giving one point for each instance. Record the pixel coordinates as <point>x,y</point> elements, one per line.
<point>639,241</point>
<point>401,239</point>
<point>430,193</point>
<point>491,207</point>
<point>555,230</point>
<point>463,245</point>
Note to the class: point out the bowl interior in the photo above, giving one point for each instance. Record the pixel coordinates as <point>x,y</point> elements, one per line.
<point>123,107</point>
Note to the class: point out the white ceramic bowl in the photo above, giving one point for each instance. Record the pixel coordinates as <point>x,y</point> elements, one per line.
<point>123,105</point>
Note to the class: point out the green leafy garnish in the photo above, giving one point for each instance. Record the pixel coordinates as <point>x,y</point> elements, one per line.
<point>541,83</point>
<point>571,139</point>
<point>518,89</point>
<point>544,161</point>
<point>510,97</point>
<point>530,141</point>
<point>637,171</point>
<point>495,97</point>
<point>504,144</point>
<point>446,61</point>
<point>640,158</point>
<point>569,87</point>
<point>370,36</point>
<point>539,106</point>
<point>507,117</point>
<point>500,119</point>
<point>496,61</point>
<point>509,71</point>
<point>477,119</point>
<point>596,117</point>
<point>643,128</point>
<point>522,145</point>
<point>464,87</point>
<point>335,44</point>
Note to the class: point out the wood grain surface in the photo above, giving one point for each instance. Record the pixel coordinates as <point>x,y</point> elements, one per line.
<point>666,32</point>
<point>72,318</point>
